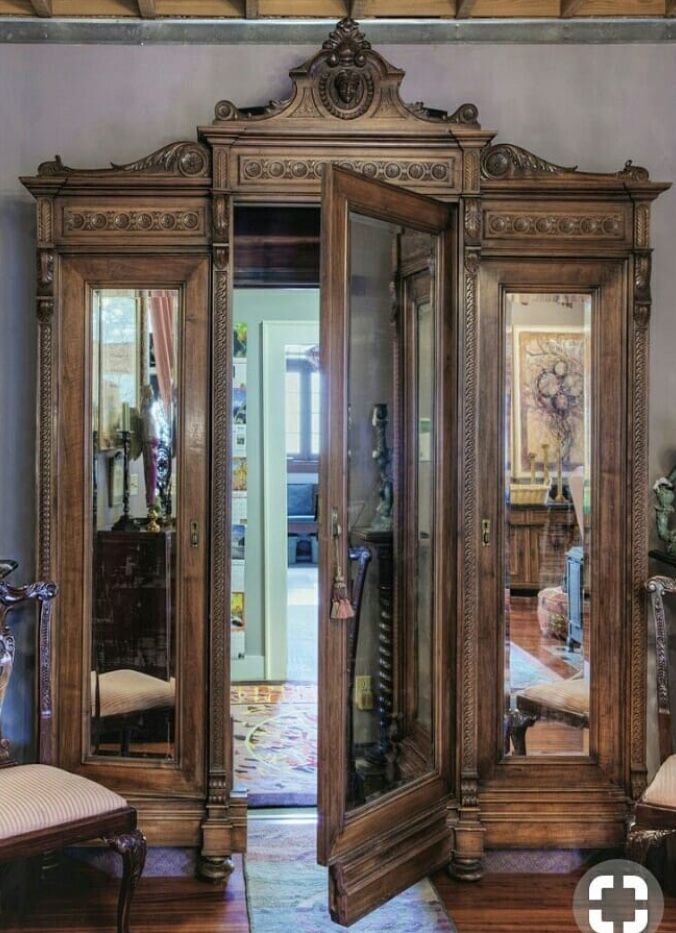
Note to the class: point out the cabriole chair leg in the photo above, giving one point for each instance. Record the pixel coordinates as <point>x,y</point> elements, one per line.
<point>132,847</point>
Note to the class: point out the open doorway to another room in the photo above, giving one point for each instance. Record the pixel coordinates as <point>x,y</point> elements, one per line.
<point>276,391</point>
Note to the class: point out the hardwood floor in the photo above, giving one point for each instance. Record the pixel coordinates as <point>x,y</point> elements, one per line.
<point>84,899</point>
<point>519,904</point>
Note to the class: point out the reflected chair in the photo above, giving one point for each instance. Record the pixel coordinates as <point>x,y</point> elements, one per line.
<point>655,815</point>
<point>564,701</point>
<point>121,697</point>
<point>43,807</point>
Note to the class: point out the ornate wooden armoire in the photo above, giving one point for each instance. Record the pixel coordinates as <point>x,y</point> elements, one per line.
<point>489,309</point>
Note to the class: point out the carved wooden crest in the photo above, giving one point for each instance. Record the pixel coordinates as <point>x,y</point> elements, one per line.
<point>346,80</point>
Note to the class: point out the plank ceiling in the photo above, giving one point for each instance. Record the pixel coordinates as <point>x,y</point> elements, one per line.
<point>335,9</point>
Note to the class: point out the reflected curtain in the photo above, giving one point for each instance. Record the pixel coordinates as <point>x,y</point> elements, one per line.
<point>160,304</point>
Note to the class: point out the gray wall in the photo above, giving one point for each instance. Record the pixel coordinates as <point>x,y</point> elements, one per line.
<point>589,104</point>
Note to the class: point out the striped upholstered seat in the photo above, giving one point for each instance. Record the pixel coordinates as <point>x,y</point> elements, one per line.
<point>662,791</point>
<point>126,691</point>
<point>568,696</point>
<point>39,797</point>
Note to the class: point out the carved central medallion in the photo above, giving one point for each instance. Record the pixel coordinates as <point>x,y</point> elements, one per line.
<point>347,93</point>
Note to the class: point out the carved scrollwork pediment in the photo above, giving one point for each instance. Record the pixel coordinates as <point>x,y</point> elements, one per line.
<point>187,159</point>
<point>505,161</point>
<point>346,80</point>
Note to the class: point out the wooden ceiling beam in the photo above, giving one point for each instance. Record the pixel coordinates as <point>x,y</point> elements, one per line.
<point>671,8</point>
<point>147,9</point>
<point>251,9</point>
<point>464,8</point>
<point>356,8</point>
<point>571,7</point>
<point>42,7</point>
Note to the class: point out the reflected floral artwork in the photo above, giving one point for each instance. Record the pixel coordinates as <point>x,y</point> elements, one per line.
<point>549,399</point>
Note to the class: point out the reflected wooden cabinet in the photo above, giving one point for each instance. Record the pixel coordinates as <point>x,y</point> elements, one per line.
<point>506,332</point>
<point>539,536</point>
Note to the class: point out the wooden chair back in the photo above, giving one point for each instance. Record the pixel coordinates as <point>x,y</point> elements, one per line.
<point>657,587</point>
<point>10,598</point>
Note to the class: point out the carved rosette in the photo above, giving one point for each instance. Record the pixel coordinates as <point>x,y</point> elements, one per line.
<point>592,226</point>
<point>132,221</point>
<point>403,171</point>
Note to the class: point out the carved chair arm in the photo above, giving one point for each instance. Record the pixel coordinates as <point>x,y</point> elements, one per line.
<point>42,592</point>
<point>657,586</point>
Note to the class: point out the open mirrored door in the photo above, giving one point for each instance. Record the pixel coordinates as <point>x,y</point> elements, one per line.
<point>387,659</point>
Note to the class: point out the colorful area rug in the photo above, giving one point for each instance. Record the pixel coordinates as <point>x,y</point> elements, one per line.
<point>526,671</point>
<point>275,732</point>
<point>287,891</point>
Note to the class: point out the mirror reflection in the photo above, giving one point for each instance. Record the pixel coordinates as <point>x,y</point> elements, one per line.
<point>547,523</point>
<point>391,467</point>
<point>134,444</point>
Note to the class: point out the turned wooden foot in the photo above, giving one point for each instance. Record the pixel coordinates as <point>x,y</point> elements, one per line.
<point>466,869</point>
<point>216,868</point>
<point>641,840</point>
<point>132,847</point>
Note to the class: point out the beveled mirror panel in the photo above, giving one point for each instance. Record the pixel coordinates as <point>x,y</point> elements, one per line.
<point>547,462</point>
<point>135,398</point>
<point>391,483</point>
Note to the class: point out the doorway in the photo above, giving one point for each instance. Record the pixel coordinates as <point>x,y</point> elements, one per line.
<point>275,550</point>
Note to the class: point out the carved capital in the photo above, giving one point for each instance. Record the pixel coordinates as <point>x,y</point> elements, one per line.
<point>642,226</point>
<point>221,258</point>
<point>471,170</point>
<point>45,221</point>
<point>45,310</point>
<point>642,264</point>
<point>221,218</point>
<point>472,260</point>
<point>473,220</point>
<point>45,262</point>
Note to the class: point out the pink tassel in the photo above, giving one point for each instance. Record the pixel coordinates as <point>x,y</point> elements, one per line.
<point>341,607</point>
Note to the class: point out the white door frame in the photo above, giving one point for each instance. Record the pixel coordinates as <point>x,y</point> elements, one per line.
<point>275,337</point>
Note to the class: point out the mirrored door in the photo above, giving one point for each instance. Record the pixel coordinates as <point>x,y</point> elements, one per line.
<point>386,645</point>
<point>135,519</point>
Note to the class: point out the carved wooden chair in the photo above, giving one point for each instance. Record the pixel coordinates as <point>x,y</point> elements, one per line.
<point>45,808</point>
<point>655,817</point>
